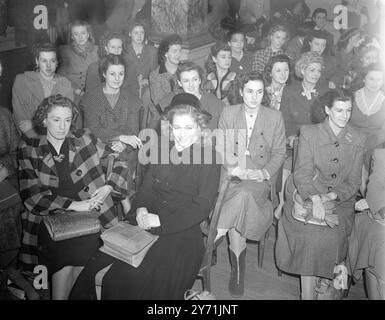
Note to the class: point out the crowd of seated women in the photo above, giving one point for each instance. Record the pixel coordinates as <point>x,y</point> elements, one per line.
<point>300,120</point>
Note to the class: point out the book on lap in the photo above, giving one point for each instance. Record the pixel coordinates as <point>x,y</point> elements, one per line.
<point>127,243</point>
<point>70,224</point>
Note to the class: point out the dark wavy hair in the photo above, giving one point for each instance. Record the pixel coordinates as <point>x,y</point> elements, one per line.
<point>318,113</point>
<point>317,11</point>
<point>319,34</point>
<point>46,106</point>
<point>136,23</point>
<point>82,23</point>
<point>43,47</point>
<point>214,50</point>
<point>241,80</point>
<point>270,64</point>
<point>189,66</point>
<point>165,45</point>
<point>232,32</point>
<point>105,38</point>
<point>202,118</point>
<point>111,59</point>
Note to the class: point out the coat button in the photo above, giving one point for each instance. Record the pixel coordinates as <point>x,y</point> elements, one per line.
<point>337,144</point>
<point>330,188</point>
<point>261,133</point>
<point>335,160</point>
<point>86,189</point>
<point>261,146</point>
<point>334,176</point>
<point>235,154</point>
<point>79,172</point>
<point>236,142</point>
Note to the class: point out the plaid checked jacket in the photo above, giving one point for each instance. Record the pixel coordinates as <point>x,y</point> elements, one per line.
<point>262,57</point>
<point>39,180</point>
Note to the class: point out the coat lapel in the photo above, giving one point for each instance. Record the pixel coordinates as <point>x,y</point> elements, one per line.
<point>47,158</point>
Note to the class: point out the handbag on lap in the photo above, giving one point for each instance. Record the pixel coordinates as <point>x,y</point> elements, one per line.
<point>70,224</point>
<point>127,242</point>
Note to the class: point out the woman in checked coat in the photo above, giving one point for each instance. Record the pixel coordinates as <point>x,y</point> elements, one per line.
<point>62,170</point>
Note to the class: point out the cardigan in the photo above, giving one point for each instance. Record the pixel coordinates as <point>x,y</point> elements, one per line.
<point>27,94</point>
<point>74,67</point>
<point>38,179</point>
<point>106,122</point>
<point>145,63</point>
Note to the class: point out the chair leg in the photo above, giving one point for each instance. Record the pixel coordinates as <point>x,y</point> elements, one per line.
<point>206,280</point>
<point>261,248</point>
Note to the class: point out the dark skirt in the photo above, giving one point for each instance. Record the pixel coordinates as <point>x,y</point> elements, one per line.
<point>167,271</point>
<point>56,255</point>
<point>312,250</point>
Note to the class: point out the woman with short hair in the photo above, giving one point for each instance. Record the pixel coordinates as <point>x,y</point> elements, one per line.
<point>31,87</point>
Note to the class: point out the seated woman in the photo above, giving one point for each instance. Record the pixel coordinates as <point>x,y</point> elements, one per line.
<point>276,75</point>
<point>63,170</point>
<point>294,46</point>
<point>346,54</point>
<point>162,80</point>
<point>77,56</point>
<point>190,78</point>
<point>241,61</point>
<point>298,97</point>
<point>368,54</point>
<point>177,197</point>
<point>112,113</point>
<point>277,36</point>
<point>367,241</point>
<point>142,56</point>
<point>369,115</point>
<point>220,79</point>
<point>111,43</point>
<point>31,87</point>
<point>328,167</point>
<point>254,154</point>
<point>318,42</point>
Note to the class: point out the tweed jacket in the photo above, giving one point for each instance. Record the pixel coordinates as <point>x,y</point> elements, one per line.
<point>39,179</point>
<point>267,142</point>
<point>161,83</point>
<point>27,94</point>
<point>328,163</point>
<point>74,67</point>
<point>94,80</point>
<point>106,122</point>
<point>144,64</point>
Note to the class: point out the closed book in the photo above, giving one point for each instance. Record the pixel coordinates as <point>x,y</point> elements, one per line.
<point>9,196</point>
<point>71,224</point>
<point>127,243</point>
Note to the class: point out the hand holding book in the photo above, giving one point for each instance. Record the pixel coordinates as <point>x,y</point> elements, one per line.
<point>147,220</point>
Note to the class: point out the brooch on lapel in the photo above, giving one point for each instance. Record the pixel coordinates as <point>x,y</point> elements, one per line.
<point>59,158</point>
<point>349,137</point>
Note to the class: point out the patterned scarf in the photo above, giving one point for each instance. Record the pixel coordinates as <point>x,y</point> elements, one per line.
<point>84,50</point>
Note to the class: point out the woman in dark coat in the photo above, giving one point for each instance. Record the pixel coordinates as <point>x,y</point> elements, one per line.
<point>178,197</point>
<point>62,170</point>
<point>328,168</point>
<point>112,113</point>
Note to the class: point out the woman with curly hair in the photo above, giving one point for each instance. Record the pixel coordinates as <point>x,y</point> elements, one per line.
<point>111,43</point>
<point>220,79</point>
<point>78,55</point>
<point>62,170</point>
<point>31,87</point>
<point>174,198</point>
<point>277,36</point>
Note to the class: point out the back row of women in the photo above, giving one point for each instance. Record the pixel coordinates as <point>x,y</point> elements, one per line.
<point>123,89</point>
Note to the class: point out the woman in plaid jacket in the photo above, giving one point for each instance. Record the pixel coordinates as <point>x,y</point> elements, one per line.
<point>62,170</point>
